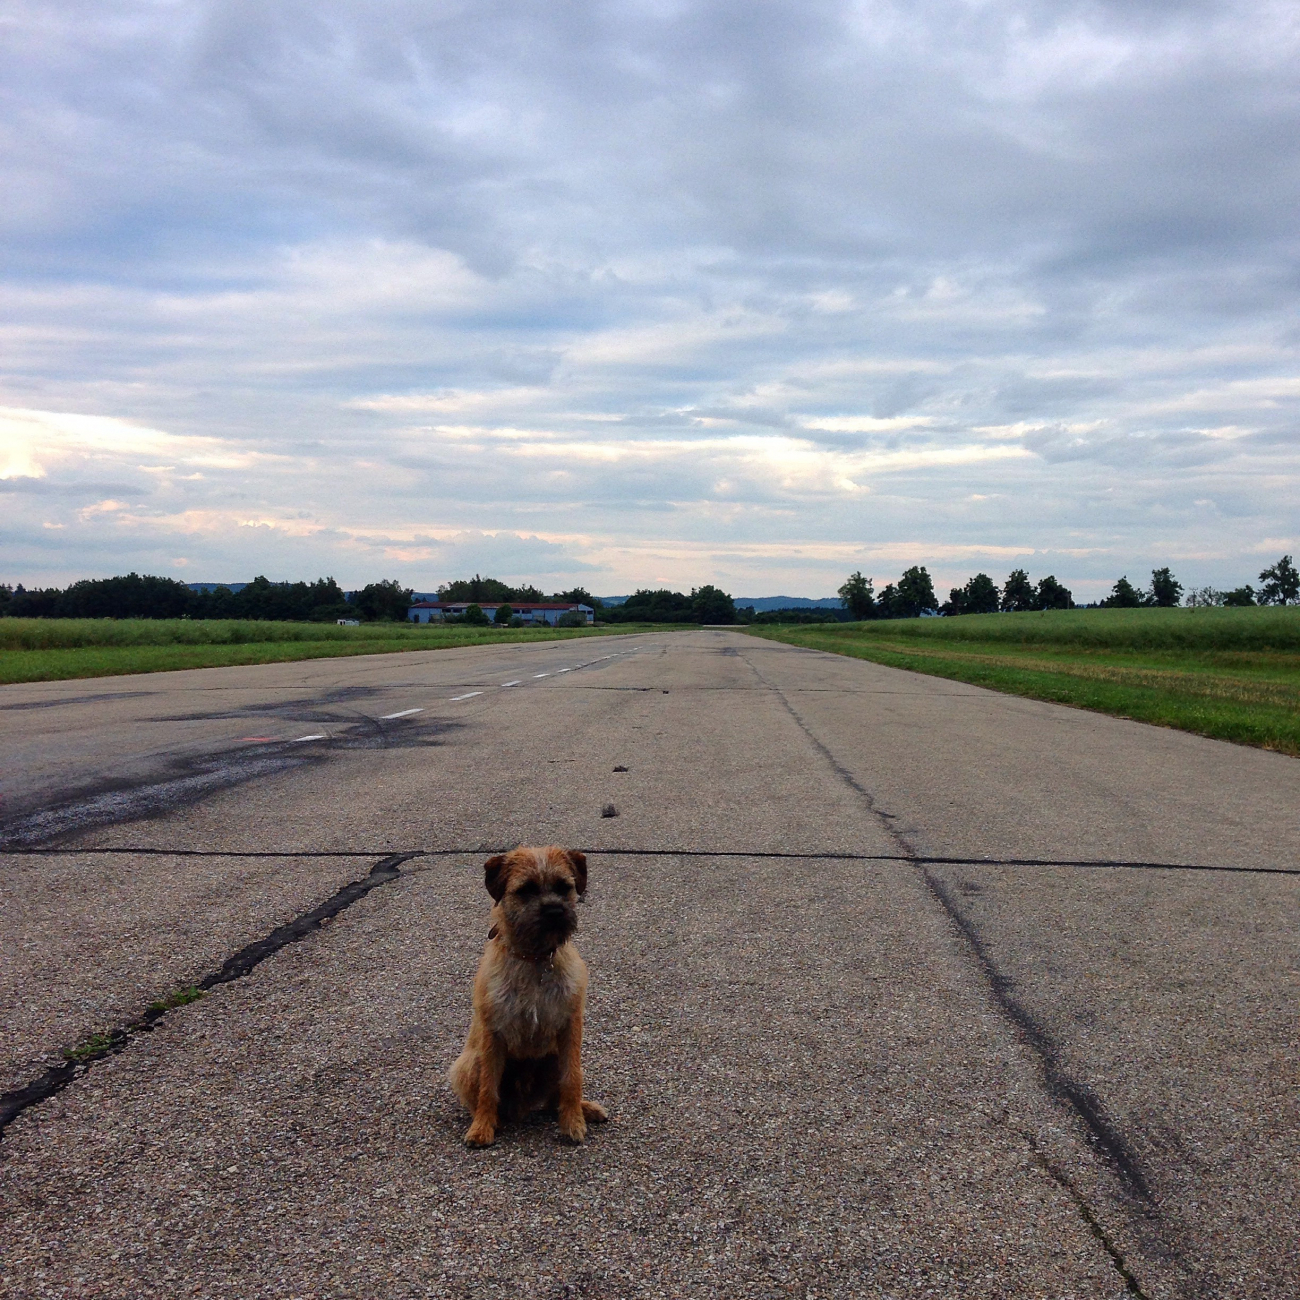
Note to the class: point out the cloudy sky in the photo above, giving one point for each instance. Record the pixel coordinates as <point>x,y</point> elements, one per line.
<point>649,292</point>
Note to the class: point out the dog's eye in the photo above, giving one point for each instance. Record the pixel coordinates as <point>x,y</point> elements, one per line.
<point>527,889</point>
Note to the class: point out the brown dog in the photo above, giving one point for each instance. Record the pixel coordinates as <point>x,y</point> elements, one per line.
<point>524,1050</point>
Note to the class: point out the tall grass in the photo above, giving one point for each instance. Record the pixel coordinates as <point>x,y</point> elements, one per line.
<point>1211,629</point>
<point>1233,674</point>
<point>77,633</point>
<point>42,650</point>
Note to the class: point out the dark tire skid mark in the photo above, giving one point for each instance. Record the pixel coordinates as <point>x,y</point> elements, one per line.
<point>112,803</point>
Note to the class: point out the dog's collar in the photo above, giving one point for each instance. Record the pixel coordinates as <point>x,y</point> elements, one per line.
<point>547,957</point>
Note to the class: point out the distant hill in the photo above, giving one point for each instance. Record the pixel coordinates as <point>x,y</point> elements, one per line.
<point>763,603</point>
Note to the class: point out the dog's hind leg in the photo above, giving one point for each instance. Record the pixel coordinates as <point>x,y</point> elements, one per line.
<point>592,1111</point>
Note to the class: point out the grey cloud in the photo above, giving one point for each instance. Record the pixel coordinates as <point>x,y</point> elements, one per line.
<point>1163,451</point>
<point>758,416</point>
<point>73,489</point>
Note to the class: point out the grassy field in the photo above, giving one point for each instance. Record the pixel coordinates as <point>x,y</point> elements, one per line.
<point>1233,674</point>
<point>44,650</point>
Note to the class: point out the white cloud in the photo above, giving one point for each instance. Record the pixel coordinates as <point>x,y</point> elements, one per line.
<point>867,423</point>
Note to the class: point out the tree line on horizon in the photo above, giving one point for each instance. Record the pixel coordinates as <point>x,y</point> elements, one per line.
<point>147,596</point>
<point>913,594</point>
<point>323,601</point>
<point>491,591</point>
<point>135,596</point>
<point>705,604</point>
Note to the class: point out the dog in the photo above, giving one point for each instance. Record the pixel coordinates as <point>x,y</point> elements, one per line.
<point>524,1050</point>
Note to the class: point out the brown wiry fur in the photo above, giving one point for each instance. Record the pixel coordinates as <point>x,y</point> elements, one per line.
<point>524,1050</point>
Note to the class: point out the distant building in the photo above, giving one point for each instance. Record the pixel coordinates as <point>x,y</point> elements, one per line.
<point>435,611</point>
<point>348,622</point>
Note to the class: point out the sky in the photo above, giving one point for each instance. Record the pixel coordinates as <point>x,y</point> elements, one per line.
<point>649,292</point>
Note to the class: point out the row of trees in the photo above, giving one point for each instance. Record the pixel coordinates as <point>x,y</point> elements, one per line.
<point>323,601</point>
<point>913,595</point>
<point>134,596</point>
<point>1164,592</point>
<point>705,604</point>
<point>1279,585</point>
<point>489,591</point>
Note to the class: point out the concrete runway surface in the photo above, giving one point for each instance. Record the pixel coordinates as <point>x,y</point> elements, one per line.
<point>899,987</point>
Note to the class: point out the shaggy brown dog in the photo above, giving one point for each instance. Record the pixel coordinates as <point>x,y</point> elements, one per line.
<point>524,1050</point>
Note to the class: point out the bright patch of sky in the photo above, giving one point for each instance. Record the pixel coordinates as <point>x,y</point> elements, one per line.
<point>638,292</point>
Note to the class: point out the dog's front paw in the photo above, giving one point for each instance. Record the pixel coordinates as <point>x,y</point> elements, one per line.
<point>594,1113</point>
<point>573,1127</point>
<point>481,1134</point>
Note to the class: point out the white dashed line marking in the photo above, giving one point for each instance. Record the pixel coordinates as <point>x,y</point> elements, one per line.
<point>405,713</point>
<point>504,684</point>
<point>561,670</point>
<point>299,739</point>
<point>468,695</point>
<point>536,675</point>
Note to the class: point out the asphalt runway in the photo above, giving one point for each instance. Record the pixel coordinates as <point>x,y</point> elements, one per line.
<point>899,987</point>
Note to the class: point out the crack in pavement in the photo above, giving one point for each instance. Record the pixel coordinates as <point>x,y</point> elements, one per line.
<point>1060,1087</point>
<point>1063,1180</point>
<point>77,1062</point>
<point>814,855</point>
<point>1078,1095</point>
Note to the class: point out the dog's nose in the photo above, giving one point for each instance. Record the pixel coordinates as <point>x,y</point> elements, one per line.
<point>553,909</point>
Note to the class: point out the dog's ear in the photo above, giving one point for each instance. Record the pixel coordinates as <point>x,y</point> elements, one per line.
<point>494,876</point>
<point>579,862</point>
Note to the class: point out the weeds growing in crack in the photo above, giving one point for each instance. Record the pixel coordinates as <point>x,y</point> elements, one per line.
<point>95,1045</point>
<point>181,998</point>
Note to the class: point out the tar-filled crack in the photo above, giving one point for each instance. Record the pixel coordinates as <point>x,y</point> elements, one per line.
<point>1066,1184</point>
<point>1079,1097</point>
<point>57,1077</point>
<point>813,855</point>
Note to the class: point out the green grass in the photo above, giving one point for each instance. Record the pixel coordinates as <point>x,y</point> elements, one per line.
<point>1233,674</point>
<point>43,650</point>
<point>180,998</point>
<point>95,1045</point>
